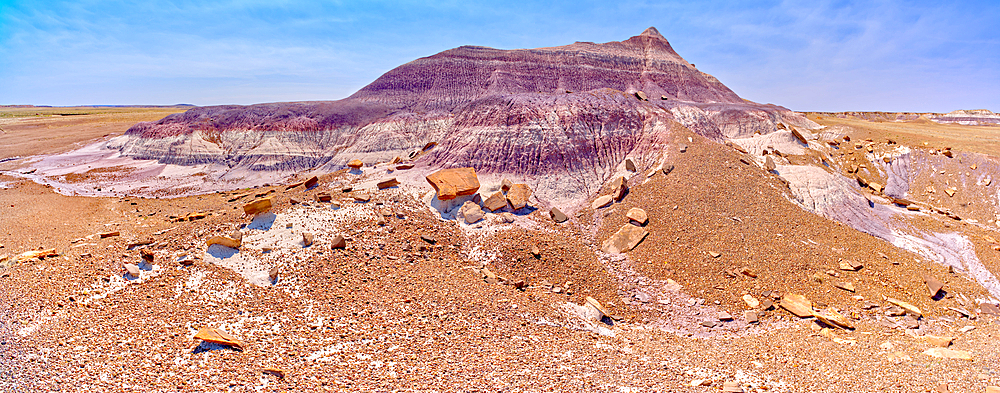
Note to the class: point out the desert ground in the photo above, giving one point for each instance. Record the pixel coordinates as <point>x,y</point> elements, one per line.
<point>415,302</point>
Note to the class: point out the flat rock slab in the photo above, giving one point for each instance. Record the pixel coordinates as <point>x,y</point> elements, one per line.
<point>909,308</point>
<point>638,215</point>
<point>628,237</point>
<point>453,183</point>
<point>601,201</point>
<point>834,319</point>
<point>390,182</point>
<point>217,336</point>
<point>257,207</point>
<point>495,202</point>
<point>797,304</point>
<point>946,353</point>
<point>224,241</point>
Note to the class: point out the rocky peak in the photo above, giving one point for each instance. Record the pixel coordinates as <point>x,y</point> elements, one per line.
<point>652,32</point>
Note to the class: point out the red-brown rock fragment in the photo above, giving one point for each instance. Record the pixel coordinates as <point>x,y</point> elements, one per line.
<point>455,182</point>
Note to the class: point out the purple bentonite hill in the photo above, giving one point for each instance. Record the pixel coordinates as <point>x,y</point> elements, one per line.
<point>560,119</point>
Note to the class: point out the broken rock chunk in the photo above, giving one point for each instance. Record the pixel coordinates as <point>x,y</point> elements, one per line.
<point>218,336</point>
<point>667,168</point>
<point>391,182</point>
<point>471,212</point>
<point>273,273</point>
<point>938,341</point>
<point>557,215</point>
<point>628,237</point>
<point>146,255</point>
<point>989,308</point>
<point>505,185</point>
<point>518,195</point>
<point>495,202</point>
<point>338,242</point>
<point>909,308</point>
<point>355,163</point>
<point>132,270</point>
<point>307,239</point>
<point>832,318</point>
<point>224,241</point>
<point>312,182</point>
<point>850,266</point>
<point>257,207</point>
<point>619,187</point>
<point>933,285</point>
<point>507,217</point>
<point>601,201</point>
<point>455,182</point>
<point>731,387</point>
<point>629,165</point>
<point>797,305</point>
<point>638,216</point>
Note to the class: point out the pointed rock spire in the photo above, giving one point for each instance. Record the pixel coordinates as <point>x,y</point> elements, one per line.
<point>652,32</point>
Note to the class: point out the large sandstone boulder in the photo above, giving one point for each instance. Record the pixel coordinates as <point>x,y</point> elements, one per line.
<point>624,240</point>
<point>455,182</point>
<point>518,196</point>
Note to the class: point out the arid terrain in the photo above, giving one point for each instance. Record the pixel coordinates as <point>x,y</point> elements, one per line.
<point>619,236</point>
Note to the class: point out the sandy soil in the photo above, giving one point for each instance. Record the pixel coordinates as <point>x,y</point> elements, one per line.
<point>29,131</point>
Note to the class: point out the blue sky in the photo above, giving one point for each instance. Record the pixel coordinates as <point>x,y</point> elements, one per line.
<point>808,55</point>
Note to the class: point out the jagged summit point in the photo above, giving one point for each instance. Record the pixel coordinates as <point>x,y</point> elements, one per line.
<point>652,32</point>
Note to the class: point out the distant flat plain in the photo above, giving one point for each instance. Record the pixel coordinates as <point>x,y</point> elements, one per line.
<point>28,131</point>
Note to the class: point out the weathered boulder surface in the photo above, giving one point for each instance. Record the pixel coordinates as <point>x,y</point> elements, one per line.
<point>518,196</point>
<point>455,182</point>
<point>625,239</point>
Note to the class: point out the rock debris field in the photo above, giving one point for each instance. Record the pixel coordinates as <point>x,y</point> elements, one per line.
<point>345,287</point>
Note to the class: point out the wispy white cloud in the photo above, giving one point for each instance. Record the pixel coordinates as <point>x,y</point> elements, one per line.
<point>826,55</point>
